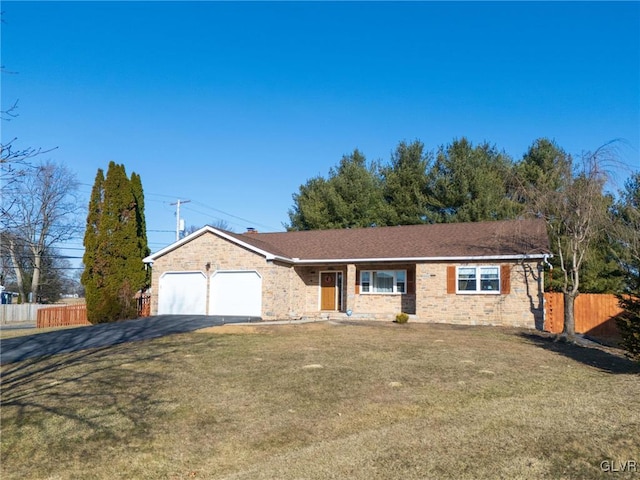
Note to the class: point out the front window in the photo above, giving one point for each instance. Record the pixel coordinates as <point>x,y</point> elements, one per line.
<point>478,279</point>
<point>365,282</point>
<point>467,279</point>
<point>401,282</point>
<point>383,281</point>
<point>489,279</point>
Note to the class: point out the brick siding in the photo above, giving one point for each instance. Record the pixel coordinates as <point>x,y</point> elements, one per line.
<point>279,282</point>
<point>521,307</point>
<point>294,292</point>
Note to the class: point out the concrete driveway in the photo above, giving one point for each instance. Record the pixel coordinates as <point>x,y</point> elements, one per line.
<point>106,334</point>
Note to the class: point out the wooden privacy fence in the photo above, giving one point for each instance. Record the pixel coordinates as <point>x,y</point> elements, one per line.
<point>595,314</point>
<point>62,316</point>
<point>68,315</point>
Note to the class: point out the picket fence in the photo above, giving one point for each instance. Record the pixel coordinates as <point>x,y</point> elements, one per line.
<point>594,313</point>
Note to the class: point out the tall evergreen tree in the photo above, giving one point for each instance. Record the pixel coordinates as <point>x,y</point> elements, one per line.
<point>627,235</point>
<point>356,198</point>
<point>470,184</point>
<point>310,210</point>
<point>138,196</point>
<point>351,197</point>
<point>93,274</point>
<point>545,166</point>
<point>116,231</point>
<point>405,184</point>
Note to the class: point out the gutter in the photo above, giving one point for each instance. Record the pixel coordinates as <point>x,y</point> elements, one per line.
<point>475,258</point>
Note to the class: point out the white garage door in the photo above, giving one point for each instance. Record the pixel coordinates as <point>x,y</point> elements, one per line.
<point>236,293</point>
<point>182,293</point>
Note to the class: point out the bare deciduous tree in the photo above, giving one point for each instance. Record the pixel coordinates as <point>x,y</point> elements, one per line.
<point>14,161</point>
<point>575,209</point>
<point>39,210</point>
<point>220,224</point>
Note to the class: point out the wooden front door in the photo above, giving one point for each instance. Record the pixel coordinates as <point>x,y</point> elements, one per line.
<point>328,291</point>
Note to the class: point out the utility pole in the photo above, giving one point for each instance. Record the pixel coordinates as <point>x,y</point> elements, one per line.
<point>177,204</point>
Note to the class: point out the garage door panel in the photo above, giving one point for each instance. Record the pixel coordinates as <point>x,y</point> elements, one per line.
<point>236,293</point>
<point>182,293</point>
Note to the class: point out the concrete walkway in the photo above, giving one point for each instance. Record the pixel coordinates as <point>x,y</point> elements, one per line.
<point>106,334</point>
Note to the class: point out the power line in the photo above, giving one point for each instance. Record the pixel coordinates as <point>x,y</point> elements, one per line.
<point>190,209</point>
<point>203,205</point>
<point>233,216</point>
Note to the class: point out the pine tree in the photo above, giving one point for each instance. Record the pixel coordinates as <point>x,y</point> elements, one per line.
<point>405,184</point>
<point>356,199</point>
<point>627,234</point>
<point>351,197</point>
<point>470,184</point>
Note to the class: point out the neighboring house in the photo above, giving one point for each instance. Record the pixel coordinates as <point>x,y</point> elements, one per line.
<point>488,273</point>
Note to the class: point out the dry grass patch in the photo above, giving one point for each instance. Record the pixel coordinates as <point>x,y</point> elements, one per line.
<point>381,401</point>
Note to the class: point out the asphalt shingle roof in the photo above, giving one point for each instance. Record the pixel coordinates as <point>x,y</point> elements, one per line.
<point>513,237</point>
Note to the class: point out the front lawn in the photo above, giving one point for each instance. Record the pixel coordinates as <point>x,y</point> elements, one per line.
<point>324,400</point>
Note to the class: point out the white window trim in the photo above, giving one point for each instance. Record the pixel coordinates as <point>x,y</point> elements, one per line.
<point>477,291</point>
<point>395,282</point>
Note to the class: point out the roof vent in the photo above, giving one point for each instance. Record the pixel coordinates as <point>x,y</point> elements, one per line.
<point>251,230</point>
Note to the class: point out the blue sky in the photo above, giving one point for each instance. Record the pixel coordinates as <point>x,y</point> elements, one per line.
<point>235,105</point>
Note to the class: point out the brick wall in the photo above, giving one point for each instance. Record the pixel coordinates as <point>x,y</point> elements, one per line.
<point>521,307</point>
<point>378,305</point>
<point>388,304</point>
<point>278,280</point>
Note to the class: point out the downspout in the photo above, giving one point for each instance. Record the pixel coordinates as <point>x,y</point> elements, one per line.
<point>545,259</point>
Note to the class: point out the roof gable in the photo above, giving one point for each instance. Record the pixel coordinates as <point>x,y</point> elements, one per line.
<point>269,255</point>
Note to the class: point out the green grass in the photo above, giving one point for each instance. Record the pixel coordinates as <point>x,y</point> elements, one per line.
<point>317,401</point>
